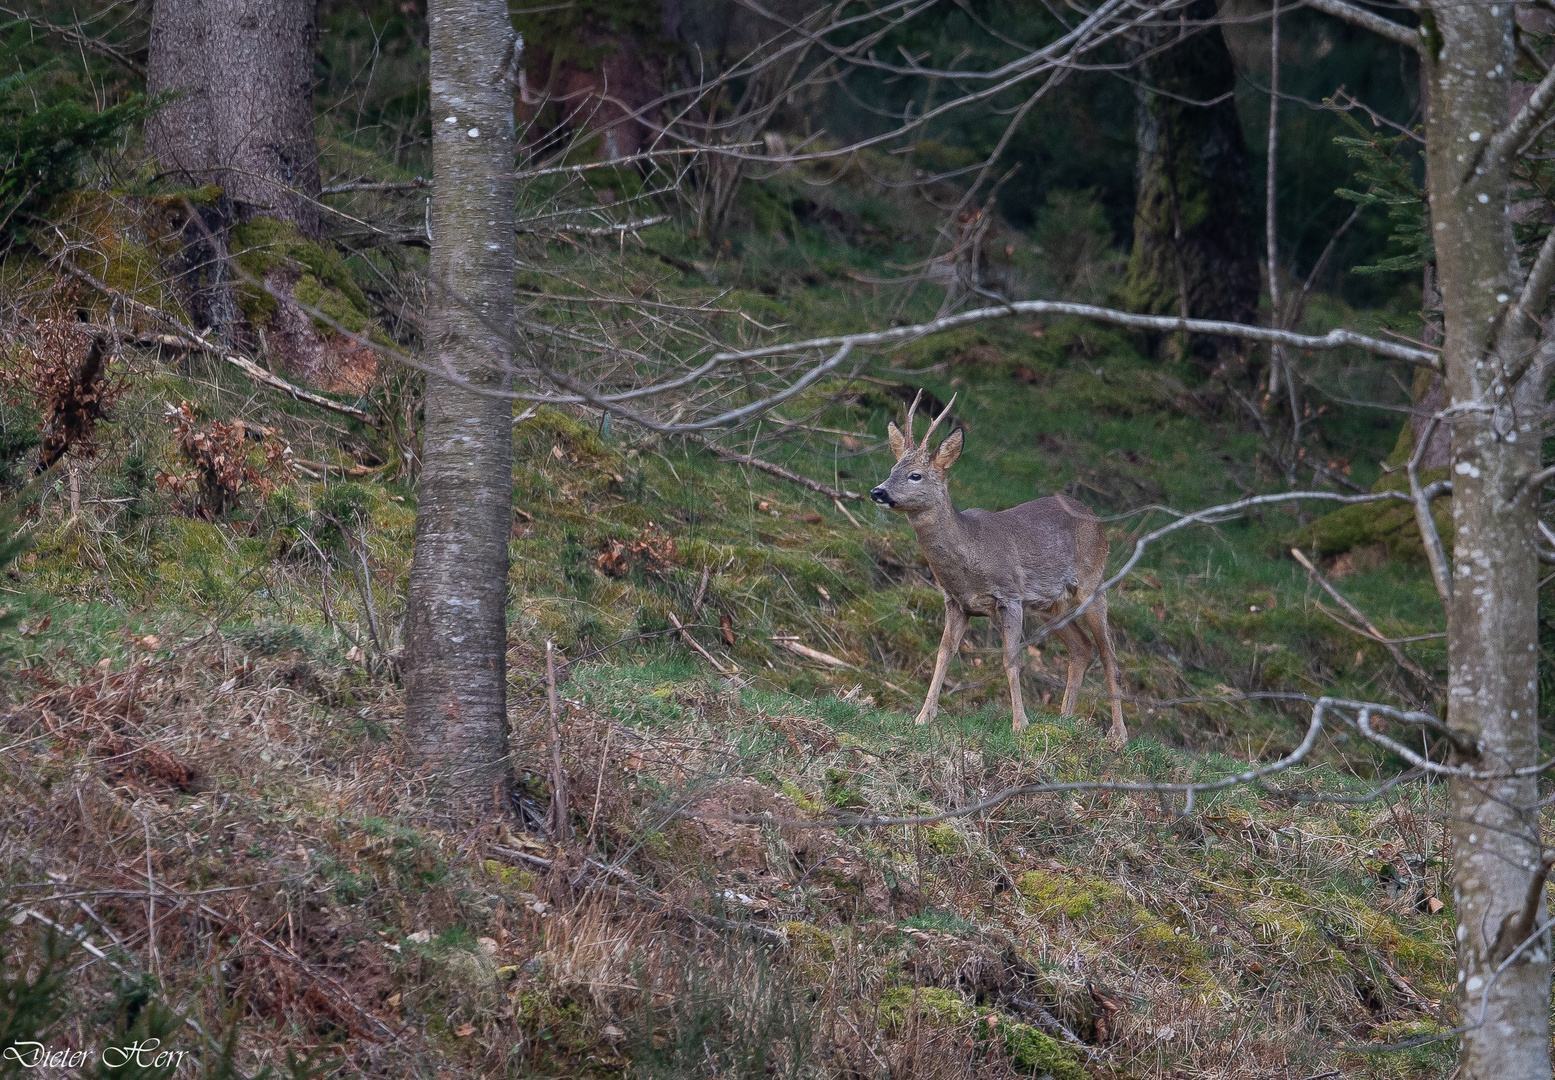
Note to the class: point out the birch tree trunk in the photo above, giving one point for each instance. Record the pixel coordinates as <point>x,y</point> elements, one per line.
<point>456,681</point>
<point>1492,612</point>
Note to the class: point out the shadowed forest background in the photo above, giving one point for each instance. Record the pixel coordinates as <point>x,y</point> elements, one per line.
<point>212,831</point>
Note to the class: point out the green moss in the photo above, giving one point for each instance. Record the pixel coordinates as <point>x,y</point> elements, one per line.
<point>325,282</point>
<point>1052,895</point>
<point>126,240</point>
<point>842,790</point>
<point>1026,1048</point>
<point>1390,523</point>
<point>939,1006</point>
<point>1029,1050</point>
<point>800,799</point>
<point>943,839</point>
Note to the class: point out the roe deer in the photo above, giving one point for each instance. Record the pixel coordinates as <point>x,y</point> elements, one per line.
<point>1046,556</point>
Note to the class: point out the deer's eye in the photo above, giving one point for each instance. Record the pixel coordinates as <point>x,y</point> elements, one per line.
<point>915,477</point>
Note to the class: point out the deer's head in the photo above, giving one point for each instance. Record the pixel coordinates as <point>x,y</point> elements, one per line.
<point>918,480</point>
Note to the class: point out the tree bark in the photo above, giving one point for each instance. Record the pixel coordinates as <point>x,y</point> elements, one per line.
<point>1492,612</point>
<point>456,683</point>
<point>244,121</point>
<point>1195,220</point>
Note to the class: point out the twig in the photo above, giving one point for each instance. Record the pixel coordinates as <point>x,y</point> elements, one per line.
<point>1358,616</point>
<point>599,780</point>
<point>151,902</point>
<point>847,514</point>
<point>561,827</point>
<point>689,640</point>
<point>1435,553</point>
<point>70,34</point>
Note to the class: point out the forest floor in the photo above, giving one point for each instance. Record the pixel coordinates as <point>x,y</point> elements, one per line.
<point>202,766</point>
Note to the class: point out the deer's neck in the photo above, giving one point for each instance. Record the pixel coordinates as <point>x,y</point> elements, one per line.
<point>942,535</point>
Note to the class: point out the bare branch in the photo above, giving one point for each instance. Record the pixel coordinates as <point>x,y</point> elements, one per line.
<point>1504,143</point>
<point>864,821</point>
<point>1435,553</point>
<point>1359,16</point>
<point>76,37</point>
<point>900,335</point>
<point>1355,612</point>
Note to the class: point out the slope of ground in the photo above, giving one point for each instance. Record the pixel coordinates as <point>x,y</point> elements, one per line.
<point>202,739</point>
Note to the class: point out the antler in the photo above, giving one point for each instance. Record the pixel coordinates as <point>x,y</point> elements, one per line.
<point>907,426</point>
<point>935,424</point>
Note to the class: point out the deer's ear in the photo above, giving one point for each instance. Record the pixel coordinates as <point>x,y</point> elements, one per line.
<point>897,439</point>
<point>949,450</point>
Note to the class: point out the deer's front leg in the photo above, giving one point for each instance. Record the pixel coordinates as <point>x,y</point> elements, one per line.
<point>1013,616</point>
<point>956,622</point>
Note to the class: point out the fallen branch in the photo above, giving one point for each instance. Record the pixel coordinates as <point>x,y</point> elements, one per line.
<point>186,338</point>
<point>798,648</point>
<point>794,646</point>
<point>689,640</point>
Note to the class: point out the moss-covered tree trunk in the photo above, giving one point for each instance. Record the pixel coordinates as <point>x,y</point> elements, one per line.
<point>1196,246</point>
<point>243,121</point>
<point>456,720</point>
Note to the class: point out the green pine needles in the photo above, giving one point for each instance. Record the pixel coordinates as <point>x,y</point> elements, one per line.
<point>1388,166</point>
<point>45,135</point>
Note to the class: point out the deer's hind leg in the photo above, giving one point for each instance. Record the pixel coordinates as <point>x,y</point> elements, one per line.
<point>1013,618</point>
<point>956,622</point>
<point>1079,647</point>
<point>1095,620</point>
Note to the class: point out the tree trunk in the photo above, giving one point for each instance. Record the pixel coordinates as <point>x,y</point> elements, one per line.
<point>1492,613</point>
<point>1195,221</point>
<point>245,118</point>
<point>456,681</point>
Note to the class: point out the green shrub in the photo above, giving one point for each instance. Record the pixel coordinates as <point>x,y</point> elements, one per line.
<point>45,135</point>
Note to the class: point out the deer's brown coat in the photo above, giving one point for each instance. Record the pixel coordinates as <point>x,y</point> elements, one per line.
<point>1046,556</point>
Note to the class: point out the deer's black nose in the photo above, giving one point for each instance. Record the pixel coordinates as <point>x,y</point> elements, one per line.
<point>880,496</point>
